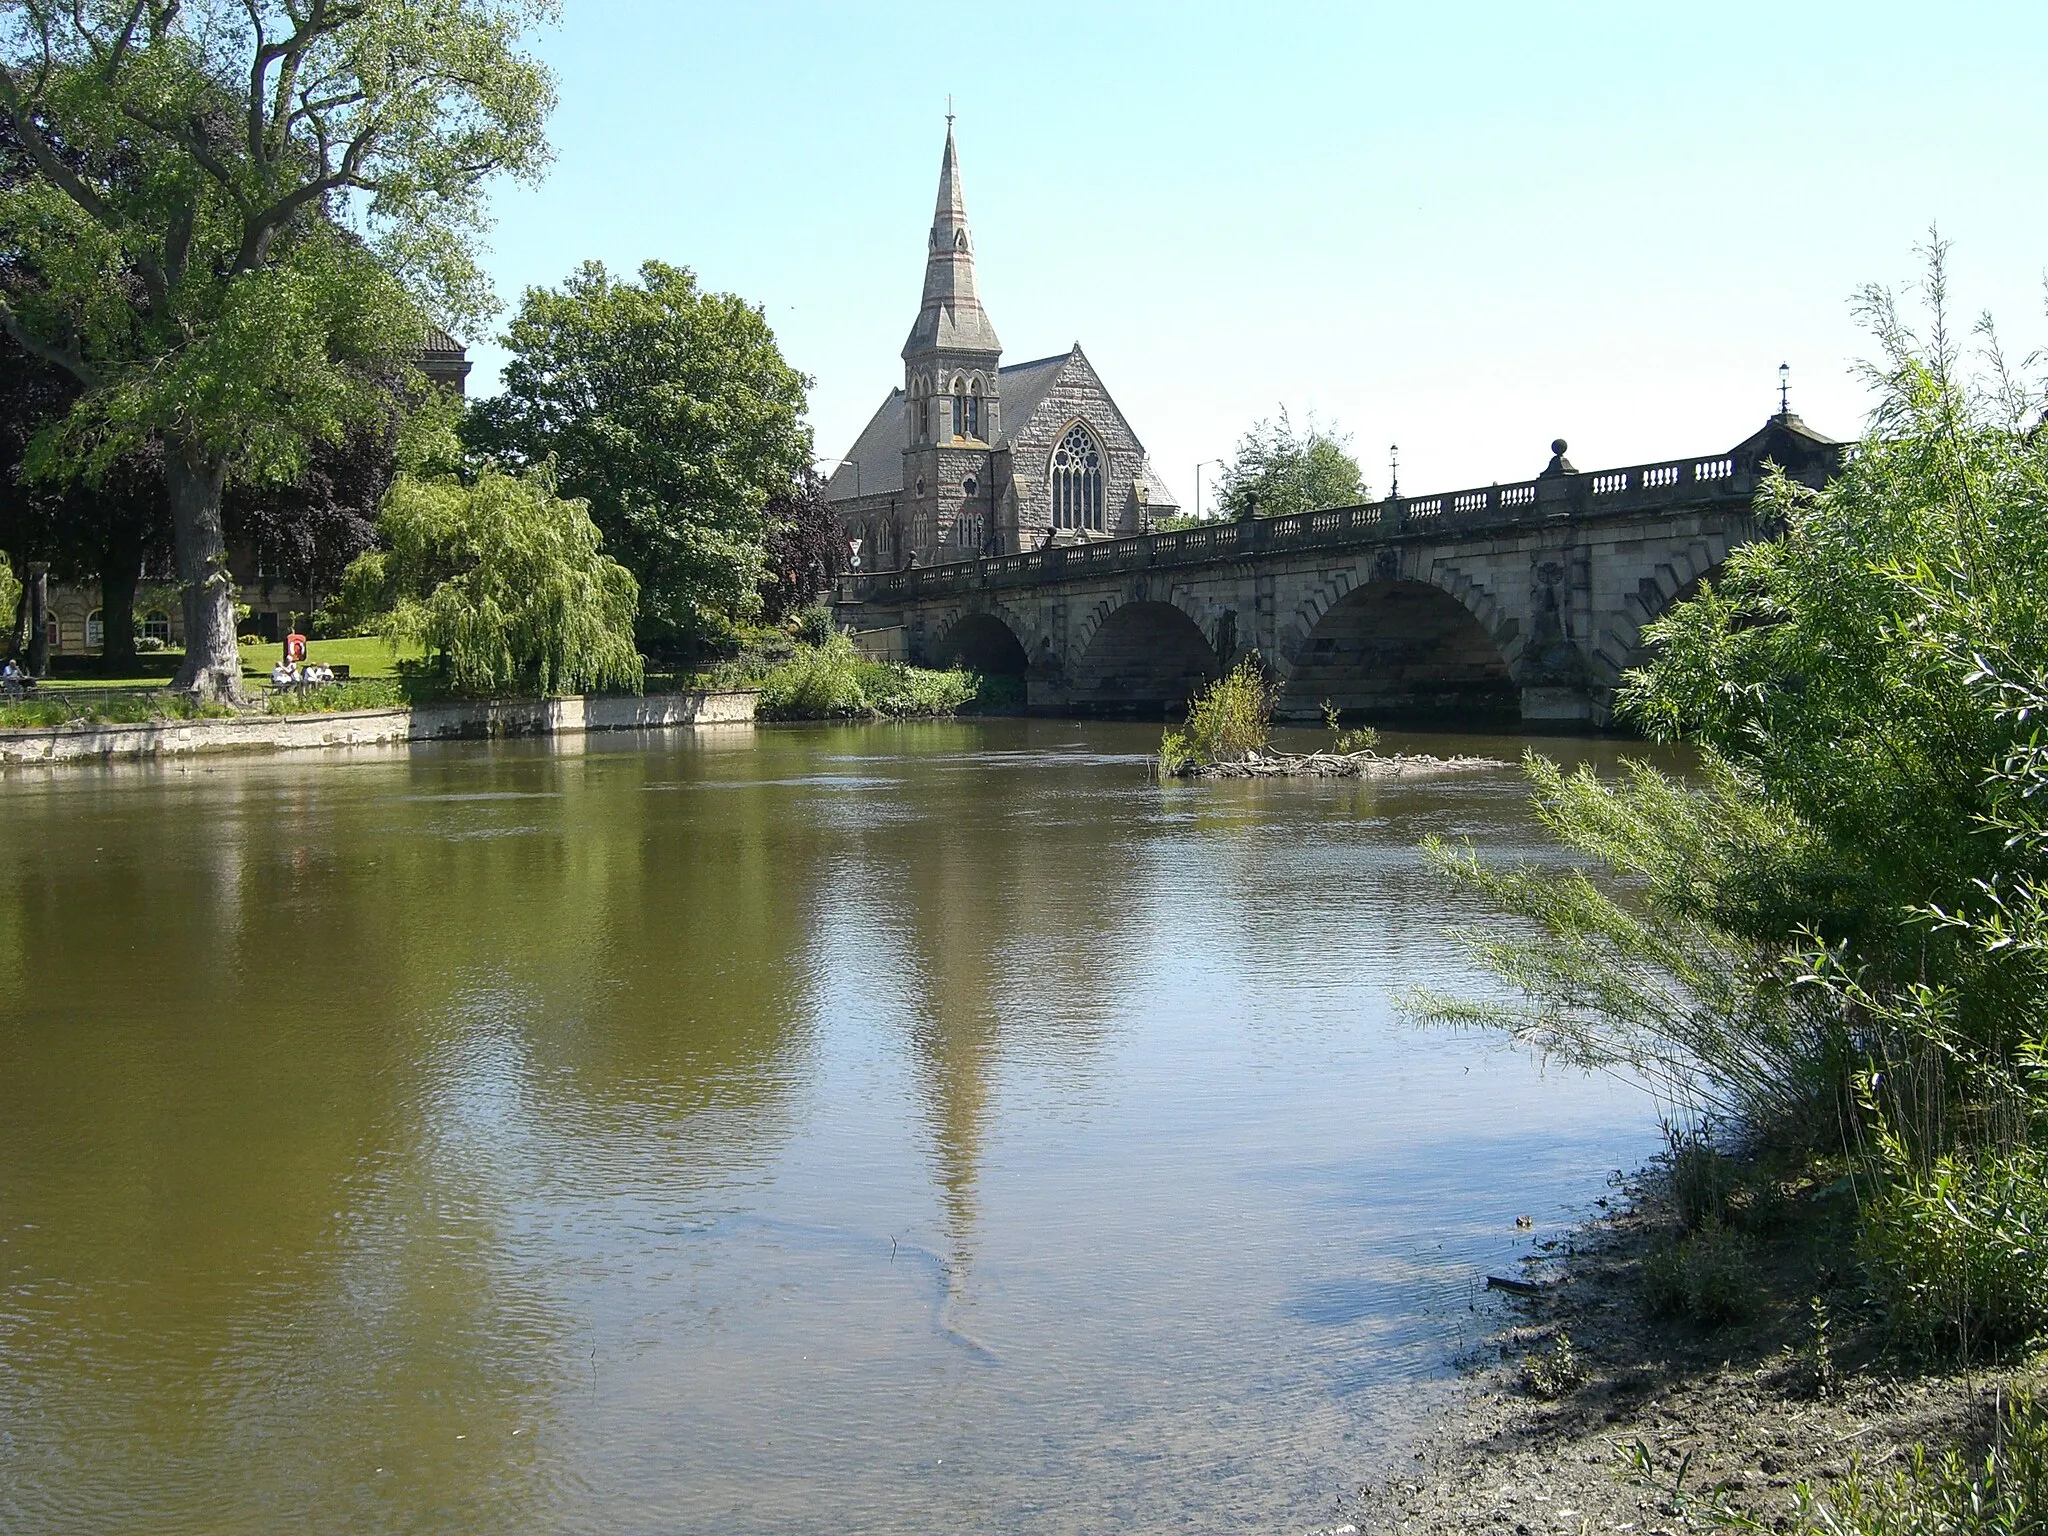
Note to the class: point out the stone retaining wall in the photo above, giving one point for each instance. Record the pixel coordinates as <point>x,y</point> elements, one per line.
<point>374,727</point>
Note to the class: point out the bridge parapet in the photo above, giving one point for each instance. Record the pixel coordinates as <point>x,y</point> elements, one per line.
<point>1627,492</point>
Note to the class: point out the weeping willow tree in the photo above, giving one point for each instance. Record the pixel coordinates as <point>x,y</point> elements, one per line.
<point>504,582</point>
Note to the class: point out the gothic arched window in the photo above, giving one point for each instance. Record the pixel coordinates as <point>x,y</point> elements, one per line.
<point>960,425</point>
<point>1077,481</point>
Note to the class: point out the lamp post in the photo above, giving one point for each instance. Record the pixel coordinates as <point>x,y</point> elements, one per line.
<point>1205,464</point>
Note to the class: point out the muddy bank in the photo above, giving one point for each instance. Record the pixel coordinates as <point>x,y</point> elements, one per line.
<point>1671,1426</point>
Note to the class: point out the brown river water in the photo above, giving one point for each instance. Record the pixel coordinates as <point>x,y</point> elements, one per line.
<point>894,1129</point>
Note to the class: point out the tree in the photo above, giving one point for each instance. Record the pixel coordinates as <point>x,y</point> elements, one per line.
<point>224,219</point>
<point>310,530</point>
<point>103,530</point>
<point>673,413</point>
<point>1277,470</point>
<point>504,580</point>
<point>1833,932</point>
<point>806,546</point>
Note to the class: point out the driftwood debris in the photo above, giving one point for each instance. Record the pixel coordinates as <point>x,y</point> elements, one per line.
<point>1337,765</point>
<point>1513,1287</point>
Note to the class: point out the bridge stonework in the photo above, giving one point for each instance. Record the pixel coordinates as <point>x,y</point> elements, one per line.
<point>1525,601</point>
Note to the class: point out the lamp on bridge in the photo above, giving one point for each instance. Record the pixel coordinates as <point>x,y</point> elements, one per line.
<point>1784,389</point>
<point>1394,472</point>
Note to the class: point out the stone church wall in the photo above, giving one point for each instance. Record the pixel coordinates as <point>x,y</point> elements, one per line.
<point>1078,395</point>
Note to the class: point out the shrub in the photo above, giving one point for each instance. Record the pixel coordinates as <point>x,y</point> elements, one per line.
<point>815,684</point>
<point>1701,1177</point>
<point>1228,721</point>
<point>117,709</point>
<point>1554,1371</point>
<point>834,680</point>
<point>916,692</point>
<point>1708,1276</point>
<point>814,624</point>
<point>1002,691</point>
<point>1362,738</point>
<point>357,693</point>
<point>2006,1494</point>
<point>1958,1253</point>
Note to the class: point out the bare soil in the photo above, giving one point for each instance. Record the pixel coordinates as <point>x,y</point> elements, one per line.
<point>1674,1426</point>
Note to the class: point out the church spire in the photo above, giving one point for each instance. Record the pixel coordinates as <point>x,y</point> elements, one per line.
<point>951,317</point>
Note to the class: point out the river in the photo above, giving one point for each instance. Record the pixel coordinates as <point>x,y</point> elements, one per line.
<point>893,1129</point>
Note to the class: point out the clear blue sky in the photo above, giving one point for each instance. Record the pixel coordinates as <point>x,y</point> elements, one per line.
<point>1465,228</point>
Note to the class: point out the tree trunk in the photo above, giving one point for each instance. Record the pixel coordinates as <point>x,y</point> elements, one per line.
<point>213,666</point>
<point>120,570</point>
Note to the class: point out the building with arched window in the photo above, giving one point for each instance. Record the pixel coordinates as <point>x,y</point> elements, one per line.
<point>972,457</point>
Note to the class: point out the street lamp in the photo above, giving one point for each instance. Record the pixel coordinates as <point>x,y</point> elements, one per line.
<point>843,463</point>
<point>1205,464</point>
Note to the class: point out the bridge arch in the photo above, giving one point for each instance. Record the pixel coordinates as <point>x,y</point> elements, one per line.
<point>1142,656</point>
<point>981,641</point>
<point>1400,646</point>
<point>1671,580</point>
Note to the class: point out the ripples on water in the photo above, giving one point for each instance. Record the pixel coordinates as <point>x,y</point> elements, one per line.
<point>911,1129</point>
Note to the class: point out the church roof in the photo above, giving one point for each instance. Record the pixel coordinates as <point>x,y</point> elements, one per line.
<point>1157,494</point>
<point>1023,386</point>
<point>879,453</point>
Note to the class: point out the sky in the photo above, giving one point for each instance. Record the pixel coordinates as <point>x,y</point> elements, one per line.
<point>1464,228</point>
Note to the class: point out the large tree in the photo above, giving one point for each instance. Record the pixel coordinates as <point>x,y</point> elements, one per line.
<point>225,219</point>
<point>504,581</point>
<point>673,413</point>
<point>1278,469</point>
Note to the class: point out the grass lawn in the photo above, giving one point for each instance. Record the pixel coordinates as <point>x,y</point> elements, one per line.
<point>366,657</point>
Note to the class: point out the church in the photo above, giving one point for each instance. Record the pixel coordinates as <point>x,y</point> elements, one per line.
<point>971,457</point>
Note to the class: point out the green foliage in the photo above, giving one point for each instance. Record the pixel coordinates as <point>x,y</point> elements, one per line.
<point>328,698</point>
<point>814,624</point>
<point>1361,738</point>
<point>10,595</point>
<point>55,708</point>
<point>2004,1494</point>
<point>1551,1373</point>
<point>1837,930</point>
<point>672,412</point>
<point>226,220</point>
<point>1708,1276</point>
<point>1656,986</point>
<point>1958,1253</point>
<point>504,581</point>
<point>1278,470</point>
<point>1227,722</point>
<point>1002,691</point>
<point>834,680</point>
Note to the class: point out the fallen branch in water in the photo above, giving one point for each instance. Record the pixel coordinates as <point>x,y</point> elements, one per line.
<point>1334,765</point>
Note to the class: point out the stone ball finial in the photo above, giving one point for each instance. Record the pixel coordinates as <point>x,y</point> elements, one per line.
<point>1558,445</point>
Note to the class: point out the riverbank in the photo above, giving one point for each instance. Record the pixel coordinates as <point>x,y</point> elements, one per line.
<point>574,715</point>
<point>1658,1425</point>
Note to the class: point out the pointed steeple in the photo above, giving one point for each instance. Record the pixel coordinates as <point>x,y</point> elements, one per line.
<point>951,317</point>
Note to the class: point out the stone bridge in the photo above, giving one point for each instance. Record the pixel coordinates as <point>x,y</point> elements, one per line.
<point>1506,602</point>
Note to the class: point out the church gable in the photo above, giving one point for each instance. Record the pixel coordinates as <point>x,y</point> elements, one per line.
<point>1071,394</point>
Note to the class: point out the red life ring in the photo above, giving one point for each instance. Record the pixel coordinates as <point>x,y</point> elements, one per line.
<point>294,647</point>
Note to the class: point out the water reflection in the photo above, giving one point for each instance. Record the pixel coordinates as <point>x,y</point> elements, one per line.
<point>931,1128</point>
